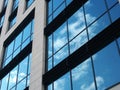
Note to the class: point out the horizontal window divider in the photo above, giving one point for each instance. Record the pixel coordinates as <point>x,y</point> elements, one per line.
<point>20,27</point>
<point>16,60</point>
<point>94,45</point>
<point>63,16</point>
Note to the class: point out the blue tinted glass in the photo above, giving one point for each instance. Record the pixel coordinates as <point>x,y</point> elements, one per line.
<point>13,77</point>
<point>106,63</point>
<point>10,49</point>
<point>50,7</point>
<point>12,22</point>
<point>111,2</point>
<point>2,20</point>
<point>18,41</point>
<point>49,46</point>
<point>28,80</point>
<point>60,55</point>
<point>115,12</point>
<point>21,85</point>
<point>15,4</point>
<point>50,87</point>
<point>68,1</point>
<point>16,52</point>
<point>4,83</point>
<point>29,2</point>
<point>60,37</point>
<point>98,26</point>
<point>50,62</point>
<point>56,3</point>
<point>59,10</point>
<point>82,77</point>
<point>63,83</point>
<point>76,24</point>
<point>93,9</point>
<point>78,41</point>
<point>5,3</point>
<point>27,31</point>
<point>25,43</point>
<point>23,69</point>
<point>7,60</point>
<point>29,63</point>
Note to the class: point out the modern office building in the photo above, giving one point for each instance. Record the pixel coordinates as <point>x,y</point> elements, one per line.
<point>59,45</point>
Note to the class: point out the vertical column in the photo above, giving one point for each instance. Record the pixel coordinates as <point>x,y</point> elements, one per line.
<point>21,9</point>
<point>1,5</point>
<point>38,49</point>
<point>4,29</point>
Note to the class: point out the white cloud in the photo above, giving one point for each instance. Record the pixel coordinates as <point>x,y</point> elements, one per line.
<point>13,76</point>
<point>80,70</point>
<point>99,81</point>
<point>59,84</point>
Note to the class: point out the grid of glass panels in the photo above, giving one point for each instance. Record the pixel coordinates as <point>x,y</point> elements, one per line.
<point>55,7</point>
<point>18,78</point>
<point>93,17</point>
<point>22,40</point>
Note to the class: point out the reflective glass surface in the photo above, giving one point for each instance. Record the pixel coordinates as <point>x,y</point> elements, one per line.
<point>99,71</point>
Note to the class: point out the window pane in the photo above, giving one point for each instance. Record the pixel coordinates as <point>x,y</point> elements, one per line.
<point>49,45</point>
<point>60,55</point>
<point>13,77</point>
<point>10,49</point>
<point>5,82</point>
<point>98,26</point>
<point>76,24</point>
<point>78,41</point>
<point>56,3</point>
<point>60,37</point>
<point>21,85</point>
<point>27,32</point>
<point>50,62</point>
<point>111,2</point>
<point>23,69</point>
<point>106,64</point>
<point>63,83</point>
<point>115,12</point>
<point>82,76</point>
<point>18,41</point>
<point>93,9</point>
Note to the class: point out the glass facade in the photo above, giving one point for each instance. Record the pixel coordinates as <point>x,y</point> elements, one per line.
<point>18,78</point>
<point>21,41</point>
<point>55,7</point>
<point>99,71</point>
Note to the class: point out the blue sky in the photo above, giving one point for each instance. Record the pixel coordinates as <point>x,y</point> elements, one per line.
<point>106,61</point>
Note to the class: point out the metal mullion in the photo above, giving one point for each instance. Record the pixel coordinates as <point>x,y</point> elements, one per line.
<point>92,64</point>
<point>108,11</point>
<point>27,68</point>
<point>8,80</point>
<point>71,79</point>
<point>52,47</point>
